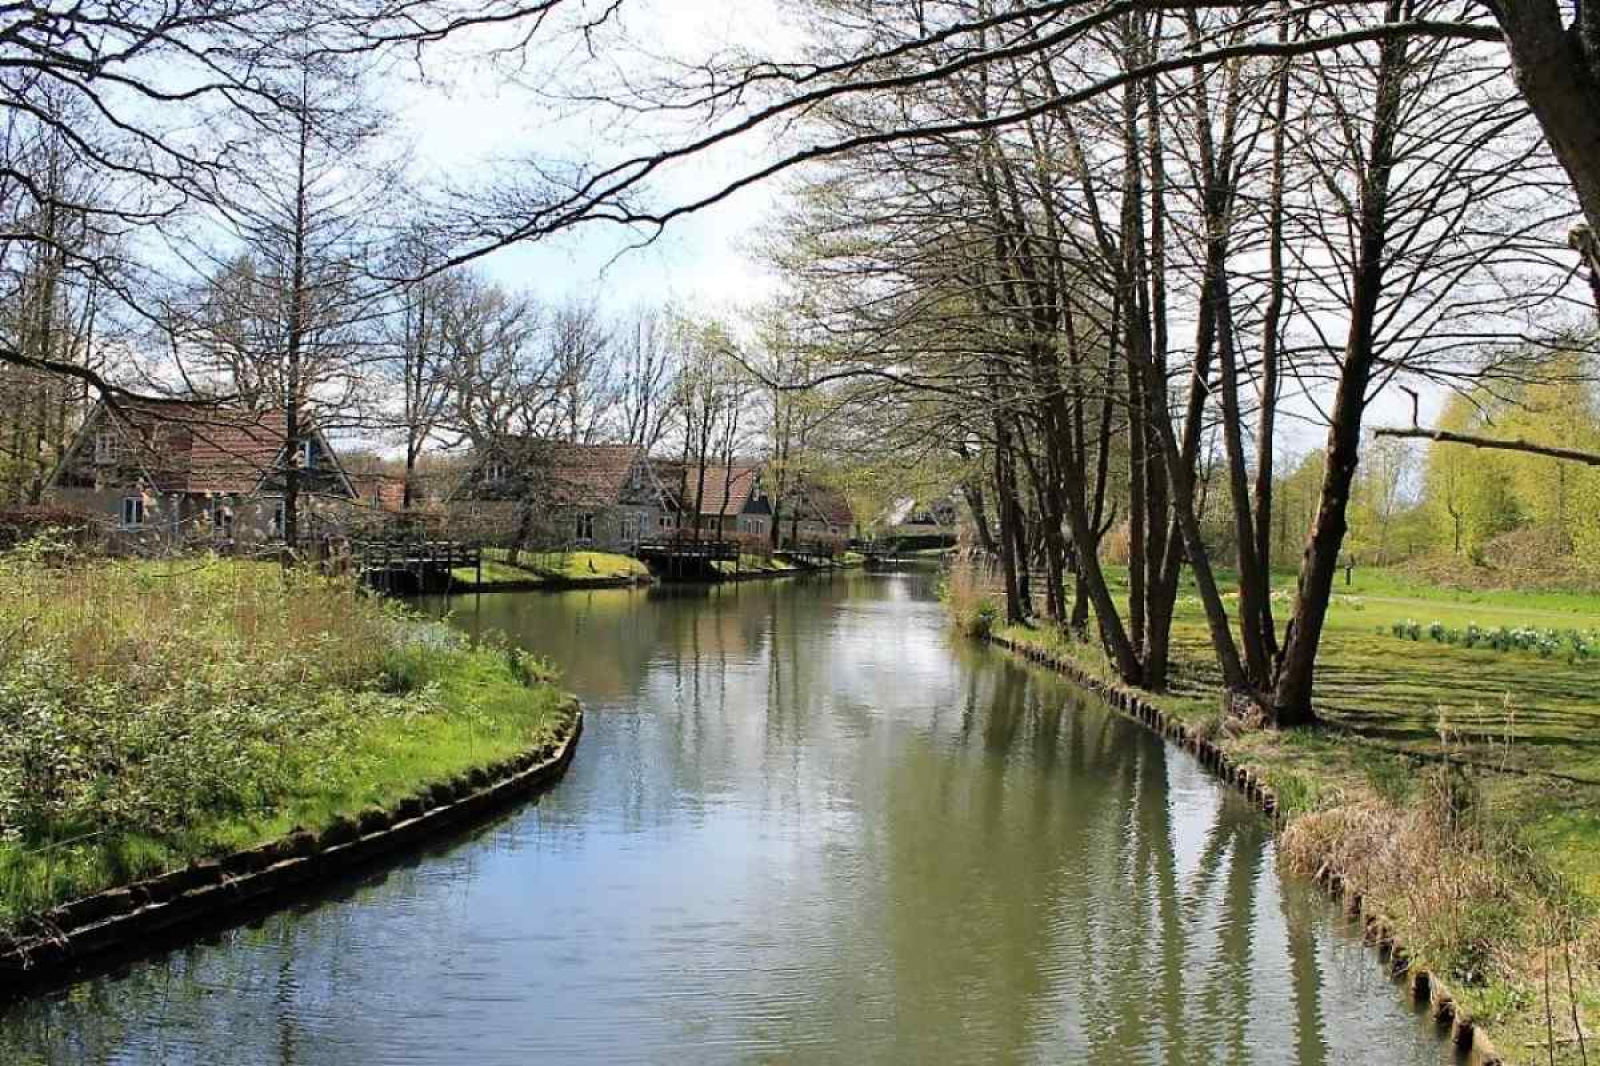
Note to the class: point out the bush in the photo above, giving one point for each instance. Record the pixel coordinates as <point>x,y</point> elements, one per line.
<point>152,713</point>
<point>133,696</point>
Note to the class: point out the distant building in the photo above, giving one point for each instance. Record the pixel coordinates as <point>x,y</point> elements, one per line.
<point>194,473</point>
<point>733,500</point>
<point>925,523</point>
<point>813,512</point>
<point>382,492</point>
<point>555,493</point>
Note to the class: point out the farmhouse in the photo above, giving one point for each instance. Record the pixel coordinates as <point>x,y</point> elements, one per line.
<point>556,493</point>
<point>171,472</point>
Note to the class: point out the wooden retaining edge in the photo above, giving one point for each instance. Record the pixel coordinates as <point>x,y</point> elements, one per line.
<point>1469,1038</point>
<point>118,922</point>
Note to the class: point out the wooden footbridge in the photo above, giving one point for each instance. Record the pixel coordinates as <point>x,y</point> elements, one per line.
<point>415,566</point>
<point>684,558</point>
<point>892,554</point>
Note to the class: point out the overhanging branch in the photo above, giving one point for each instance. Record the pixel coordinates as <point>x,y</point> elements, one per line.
<point>1444,436</point>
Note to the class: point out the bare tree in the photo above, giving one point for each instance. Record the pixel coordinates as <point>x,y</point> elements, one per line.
<point>647,371</point>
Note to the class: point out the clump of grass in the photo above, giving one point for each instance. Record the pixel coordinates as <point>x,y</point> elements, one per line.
<point>155,712</point>
<point>973,610</point>
<point>1463,893</point>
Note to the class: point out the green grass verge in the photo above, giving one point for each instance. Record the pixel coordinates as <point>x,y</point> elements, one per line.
<point>460,709</point>
<point>556,567</point>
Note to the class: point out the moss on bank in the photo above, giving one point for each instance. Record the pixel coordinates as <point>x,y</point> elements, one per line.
<point>151,714</point>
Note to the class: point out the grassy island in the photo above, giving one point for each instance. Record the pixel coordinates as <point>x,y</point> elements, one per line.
<point>152,713</point>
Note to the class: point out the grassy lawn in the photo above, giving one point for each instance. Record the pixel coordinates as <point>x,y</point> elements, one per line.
<point>151,714</point>
<point>558,566</point>
<point>757,564</point>
<point>1511,707</point>
<point>1519,865</point>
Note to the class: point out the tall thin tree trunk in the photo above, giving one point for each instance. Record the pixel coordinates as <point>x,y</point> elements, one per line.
<point>1291,701</point>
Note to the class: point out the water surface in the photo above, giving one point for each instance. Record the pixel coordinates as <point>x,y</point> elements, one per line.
<point>804,825</point>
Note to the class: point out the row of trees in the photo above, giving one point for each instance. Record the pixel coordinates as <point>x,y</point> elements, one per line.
<point>1118,309</point>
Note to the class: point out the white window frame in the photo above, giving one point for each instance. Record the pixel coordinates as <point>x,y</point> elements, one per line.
<point>305,454</point>
<point>105,447</point>
<point>494,470</point>
<point>133,512</point>
<point>585,522</point>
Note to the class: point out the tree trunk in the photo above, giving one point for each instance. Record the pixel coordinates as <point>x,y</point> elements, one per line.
<point>1291,700</point>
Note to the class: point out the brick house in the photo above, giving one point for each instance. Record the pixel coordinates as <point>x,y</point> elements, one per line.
<point>559,494</point>
<point>167,473</point>
<point>733,501</point>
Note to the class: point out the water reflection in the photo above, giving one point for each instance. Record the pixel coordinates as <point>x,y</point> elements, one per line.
<point>804,825</point>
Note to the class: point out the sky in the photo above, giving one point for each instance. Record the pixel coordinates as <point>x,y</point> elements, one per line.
<point>469,118</point>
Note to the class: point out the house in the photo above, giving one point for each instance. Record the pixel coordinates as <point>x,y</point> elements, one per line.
<point>733,500</point>
<point>917,523</point>
<point>813,513</point>
<point>169,472</point>
<point>557,493</point>
<point>378,491</point>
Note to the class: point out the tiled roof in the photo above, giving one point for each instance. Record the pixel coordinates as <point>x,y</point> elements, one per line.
<point>189,447</point>
<point>575,475</point>
<point>827,503</point>
<point>726,487</point>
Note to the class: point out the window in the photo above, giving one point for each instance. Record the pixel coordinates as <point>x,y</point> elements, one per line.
<point>586,527</point>
<point>105,447</point>
<point>277,520</point>
<point>305,455</point>
<point>665,521</point>
<point>495,471</point>
<point>132,511</point>
<point>630,529</point>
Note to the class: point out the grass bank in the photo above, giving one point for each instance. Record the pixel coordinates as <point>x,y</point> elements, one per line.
<point>574,569</point>
<point>752,564</point>
<point>155,713</point>
<point>1457,788</point>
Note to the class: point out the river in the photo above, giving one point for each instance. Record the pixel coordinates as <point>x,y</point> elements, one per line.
<point>805,824</point>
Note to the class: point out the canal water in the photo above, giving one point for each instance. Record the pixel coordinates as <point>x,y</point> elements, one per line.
<point>805,824</point>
